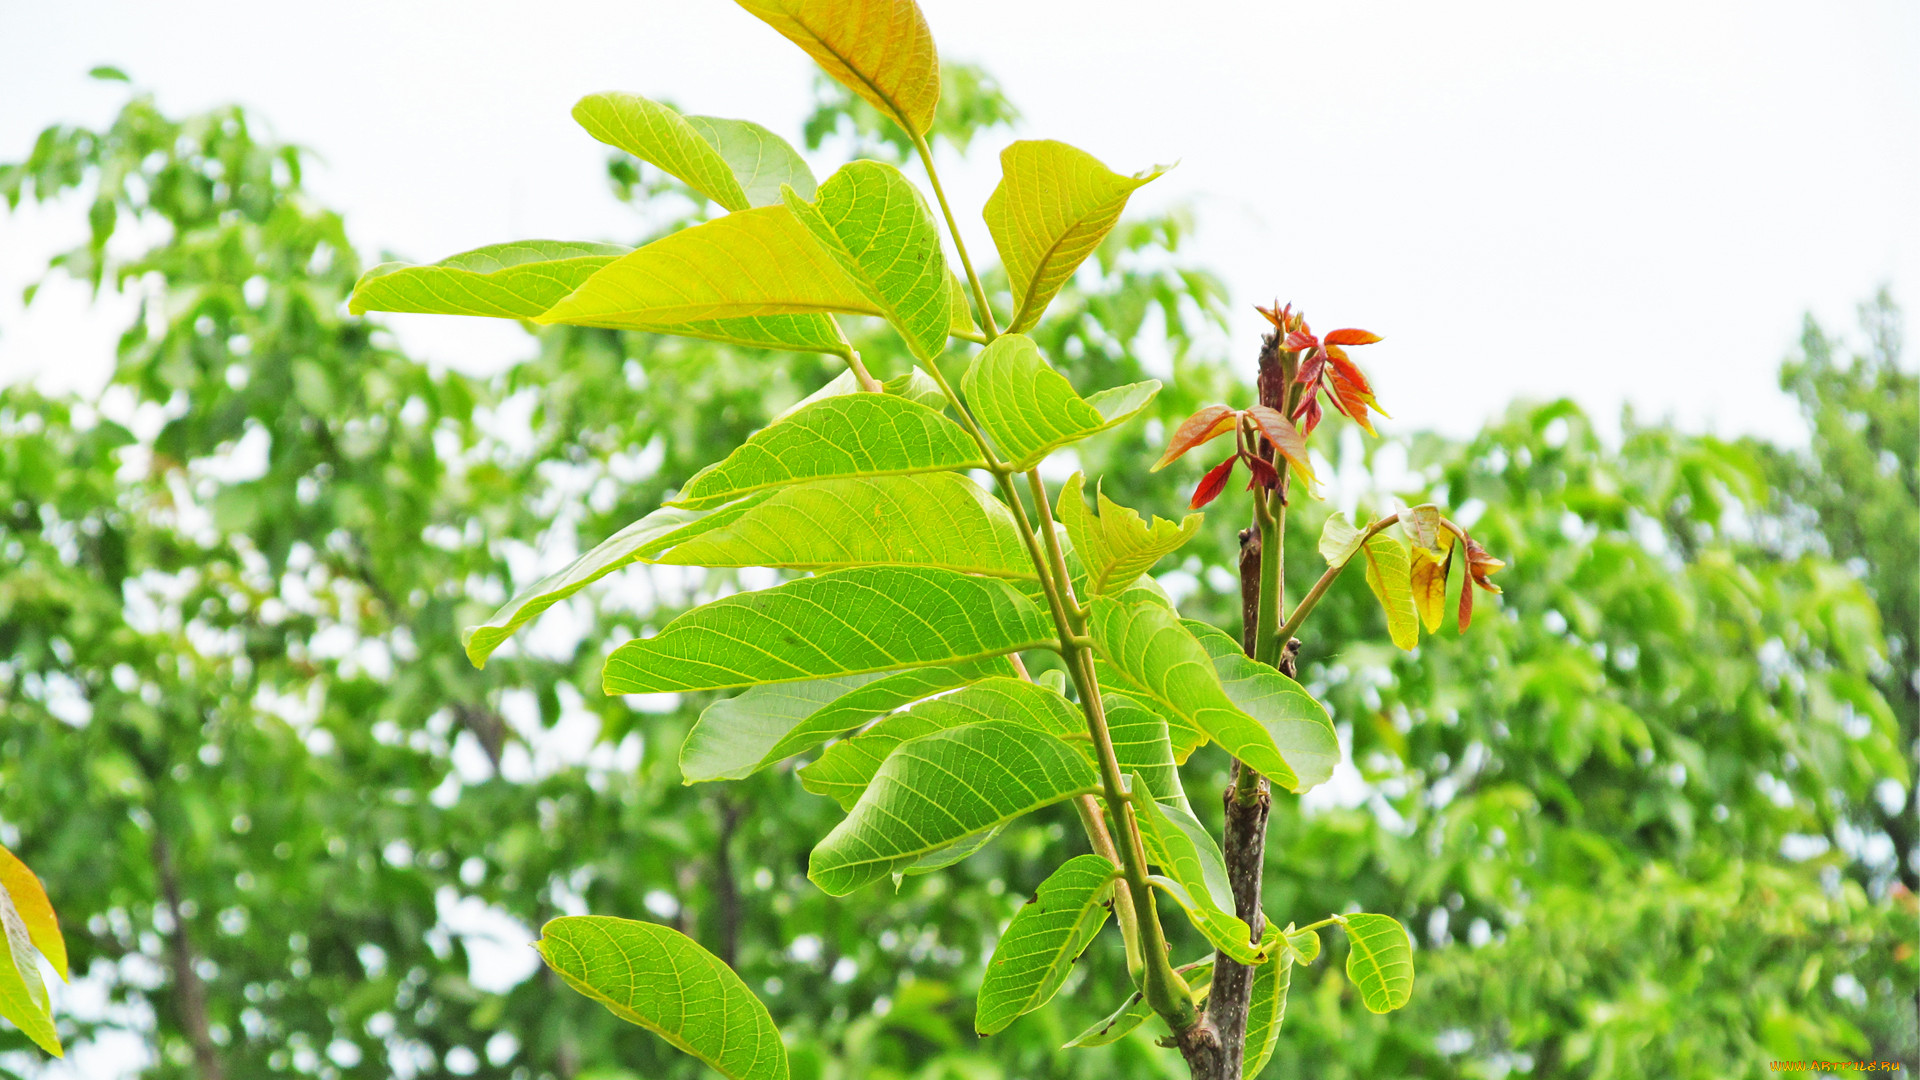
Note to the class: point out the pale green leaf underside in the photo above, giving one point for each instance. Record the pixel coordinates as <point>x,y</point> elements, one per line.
<point>518,280</point>
<point>1117,546</point>
<point>661,980</point>
<point>1054,205</point>
<point>1141,746</point>
<point>1195,875</point>
<point>941,788</point>
<point>879,49</point>
<point>1153,654</point>
<point>845,771</point>
<point>23,997</point>
<point>847,622</point>
<point>738,736</point>
<point>36,912</point>
<point>1338,539</point>
<point>1379,960</point>
<point>1298,725</point>
<point>871,219</point>
<point>1028,409</point>
<point>930,519</point>
<point>1046,936</point>
<point>845,435</point>
<point>1391,578</point>
<point>736,163</point>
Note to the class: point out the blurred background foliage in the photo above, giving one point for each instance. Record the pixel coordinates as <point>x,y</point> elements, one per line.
<point>1653,815</point>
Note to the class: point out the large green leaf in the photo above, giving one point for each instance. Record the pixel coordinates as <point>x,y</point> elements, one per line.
<point>663,981</point>
<point>879,49</point>
<point>738,736</point>
<point>1028,409</point>
<point>929,519</point>
<point>845,771</point>
<point>23,997</point>
<point>1046,936</point>
<point>1116,547</point>
<point>1391,579</point>
<point>1155,655</point>
<point>1054,205</point>
<point>1379,960</point>
<point>736,163</point>
<point>874,223</point>
<point>638,542</point>
<point>845,435</point>
<point>844,623</point>
<point>755,265</point>
<point>1195,875</point>
<point>1299,725</point>
<point>941,788</point>
<point>518,280</point>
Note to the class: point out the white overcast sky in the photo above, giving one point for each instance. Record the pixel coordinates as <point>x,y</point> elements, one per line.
<point>1630,201</point>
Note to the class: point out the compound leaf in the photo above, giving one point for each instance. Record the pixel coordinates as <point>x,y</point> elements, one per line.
<point>943,787</point>
<point>1028,409</point>
<point>1390,578</point>
<point>879,49</point>
<point>1298,724</point>
<point>1117,547</point>
<point>663,981</point>
<point>847,622</point>
<point>518,280</point>
<point>1046,936</point>
<point>1054,205</point>
<point>1379,960</point>
<point>871,219</point>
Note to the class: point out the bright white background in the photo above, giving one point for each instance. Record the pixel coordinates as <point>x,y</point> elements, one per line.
<point>1632,201</point>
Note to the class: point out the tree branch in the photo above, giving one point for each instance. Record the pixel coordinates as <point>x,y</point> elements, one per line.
<point>192,1000</point>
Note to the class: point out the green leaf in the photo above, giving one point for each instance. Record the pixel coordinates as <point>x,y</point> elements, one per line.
<point>1195,875</point>
<point>1117,546</point>
<point>756,277</point>
<point>929,519</point>
<point>1390,578</point>
<point>1054,205</point>
<point>1028,409</point>
<point>941,788</point>
<point>1141,745</point>
<point>509,281</point>
<point>738,736</point>
<point>917,386</point>
<point>736,163</point>
<point>1154,654</point>
<point>1267,1003</point>
<point>844,623</point>
<point>845,771</point>
<point>23,997</point>
<point>638,542</point>
<point>1379,960</point>
<point>846,435</point>
<point>663,981</point>
<point>1298,725</point>
<point>879,49</point>
<point>1135,1011</point>
<point>1046,936</point>
<point>874,223</point>
<point>1338,539</point>
<point>35,910</point>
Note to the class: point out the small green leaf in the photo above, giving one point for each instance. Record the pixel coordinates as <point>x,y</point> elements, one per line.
<point>1390,578</point>
<point>1338,539</point>
<point>879,49</point>
<point>940,788</point>
<point>663,981</point>
<point>738,736</point>
<point>1117,546</point>
<point>23,997</point>
<point>1054,205</point>
<point>929,519</point>
<point>845,435</point>
<point>1379,960</point>
<point>1195,875</point>
<point>917,386</point>
<point>1028,409</point>
<point>519,280</point>
<point>736,163</point>
<point>847,622</point>
<point>848,767</point>
<point>1298,724</point>
<point>1267,1004</point>
<point>874,223</point>
<point>1046,936</point>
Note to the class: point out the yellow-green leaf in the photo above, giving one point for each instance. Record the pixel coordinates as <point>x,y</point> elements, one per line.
<point>1379,960</point>
<point>879,49</point>
<point>1338,539</point>
<point>1117,547</point>
<point>1054,205</point>
<point>1390,578</point>
<point>1028,409</point>
<point>1428,582</point>
<point>1046,936</point>
<point>736,163</point>
<point>23,997</point>
<point>874,223</point>
<point>518,280</point>
<point>1195,875</point>
<point>36,911</point>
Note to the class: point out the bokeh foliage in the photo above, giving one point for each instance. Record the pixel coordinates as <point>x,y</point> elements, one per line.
<point>1653,814</point>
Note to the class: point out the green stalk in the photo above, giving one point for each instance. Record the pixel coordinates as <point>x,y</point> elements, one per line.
<point>953,230</point>
<point>1326,580</point>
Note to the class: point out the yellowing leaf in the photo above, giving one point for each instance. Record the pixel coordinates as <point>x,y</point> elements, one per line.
<point>879,49</point>
<point>23,997</point>
<point>1428,581</point>
<point>871,219</point>
<point>735,163</point>
<point>1117,546</point>
<point>1054,205</point>
<point>1390,579</point>
<point>36,911</point>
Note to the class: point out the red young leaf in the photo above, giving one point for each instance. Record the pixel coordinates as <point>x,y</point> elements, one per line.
<point>1353,400</point>
<point>1207,424</point>
<point>1284,437</point>
<point>1276,314</point>
<point>1480,565</point>
<point>1466,604</point>
<point>1263,472</point>
<point>1351,337</point>
<point>1302,339</point>
<point>1350,371</point>
<point>1310,368</point>
<point>1334,351</point>
<point>1307,414</point>
<point>1213,483</point>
